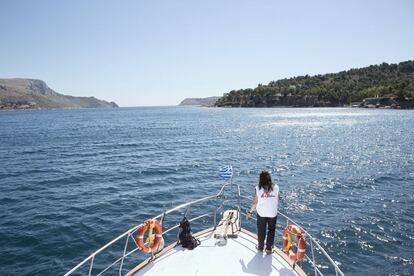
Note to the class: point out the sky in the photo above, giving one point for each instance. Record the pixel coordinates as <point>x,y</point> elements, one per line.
<point>156,52</point>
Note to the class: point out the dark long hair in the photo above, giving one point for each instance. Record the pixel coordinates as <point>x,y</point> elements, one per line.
<point>265,181</point>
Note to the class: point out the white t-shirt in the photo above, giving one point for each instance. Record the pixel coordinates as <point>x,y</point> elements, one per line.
<point>268,202</point>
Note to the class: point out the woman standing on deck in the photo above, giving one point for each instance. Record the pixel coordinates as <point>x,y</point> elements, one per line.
<point>266,201</point>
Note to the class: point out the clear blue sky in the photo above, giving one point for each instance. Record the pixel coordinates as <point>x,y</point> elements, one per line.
<point>152,52</point>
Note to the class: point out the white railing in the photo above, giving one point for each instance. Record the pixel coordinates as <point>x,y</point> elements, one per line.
<point>220,195</point>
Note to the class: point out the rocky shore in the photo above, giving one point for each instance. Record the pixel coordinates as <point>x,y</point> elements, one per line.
<point>392,102</point>
<point>278,101</point>
<point>387,102</point>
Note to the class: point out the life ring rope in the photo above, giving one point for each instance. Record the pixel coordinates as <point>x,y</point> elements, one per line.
<point>153,240</point>
<point>300,241</point>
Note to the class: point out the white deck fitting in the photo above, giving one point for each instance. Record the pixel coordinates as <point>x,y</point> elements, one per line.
<point>238,257</point>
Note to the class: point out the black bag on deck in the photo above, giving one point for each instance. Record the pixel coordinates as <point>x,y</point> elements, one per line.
<point>186,239</point>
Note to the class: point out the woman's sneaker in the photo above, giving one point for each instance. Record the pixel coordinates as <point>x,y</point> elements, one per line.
<point>268,251</point>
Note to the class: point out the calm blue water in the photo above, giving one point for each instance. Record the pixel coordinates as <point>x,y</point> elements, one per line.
<point>71,180</point>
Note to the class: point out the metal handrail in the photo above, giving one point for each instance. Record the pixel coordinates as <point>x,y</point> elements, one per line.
<point>133,229</point>
<point>128,234</point>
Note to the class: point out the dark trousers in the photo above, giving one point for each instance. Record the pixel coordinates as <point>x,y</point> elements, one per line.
<point>262,222</point>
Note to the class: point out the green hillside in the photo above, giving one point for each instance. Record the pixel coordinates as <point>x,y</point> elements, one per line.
<point>336,89</point>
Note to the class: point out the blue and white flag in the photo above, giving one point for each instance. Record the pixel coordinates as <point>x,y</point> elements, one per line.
<point>226,172</point>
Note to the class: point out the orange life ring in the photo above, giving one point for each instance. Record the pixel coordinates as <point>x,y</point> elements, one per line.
<point>153,243</point>
<point>300,240</point>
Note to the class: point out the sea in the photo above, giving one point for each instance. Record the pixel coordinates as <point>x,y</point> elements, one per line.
<point>72,180</point>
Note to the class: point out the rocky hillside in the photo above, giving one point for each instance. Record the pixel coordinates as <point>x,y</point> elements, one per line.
<point>210,101</point>
<point>33,94</point>
<point>394,81</point>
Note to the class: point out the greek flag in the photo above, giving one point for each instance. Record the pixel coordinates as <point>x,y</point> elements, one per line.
<point>226,172</point>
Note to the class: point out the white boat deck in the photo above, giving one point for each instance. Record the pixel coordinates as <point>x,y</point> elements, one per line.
<point>238,257</point>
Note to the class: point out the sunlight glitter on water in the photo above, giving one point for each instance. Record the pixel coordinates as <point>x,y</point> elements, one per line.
<point>69,187</point>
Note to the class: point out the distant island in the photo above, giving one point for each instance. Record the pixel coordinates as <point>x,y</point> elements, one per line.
<point>35,94</point>
<point>209,101</point>
<point>377,86</point>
